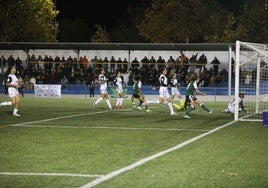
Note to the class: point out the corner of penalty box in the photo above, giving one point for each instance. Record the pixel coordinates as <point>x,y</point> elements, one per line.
<point>265,119</point>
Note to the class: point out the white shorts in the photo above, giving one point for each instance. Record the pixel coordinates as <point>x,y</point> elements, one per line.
<point>103,89</point>
<point>175,91</point>
<point>163,92</point>
<point>12,92</point>
<point>119,90</point>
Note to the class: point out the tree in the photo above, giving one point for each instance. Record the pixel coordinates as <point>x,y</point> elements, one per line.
<point>253,22</point>
<point>219,25</point>
<point>28,21</point>
<point>100,36</point>
<point>181,20</point>
<point>126,30</point>
<point>74,31</point>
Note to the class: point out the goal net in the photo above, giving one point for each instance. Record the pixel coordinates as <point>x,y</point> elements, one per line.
<point>251,78</point>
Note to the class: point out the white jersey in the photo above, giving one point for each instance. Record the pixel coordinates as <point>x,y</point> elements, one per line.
<point>103,83</point>
<point>174,87</point>
<point>231,106</point>
<point>163,90</point>
<point>12,79</point>
<point>163,81</point>
<point>119,84</point>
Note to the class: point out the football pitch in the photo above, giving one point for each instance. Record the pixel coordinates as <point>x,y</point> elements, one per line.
<point>65,142</point>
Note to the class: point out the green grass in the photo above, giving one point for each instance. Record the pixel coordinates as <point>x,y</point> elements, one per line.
<point>68,136</point>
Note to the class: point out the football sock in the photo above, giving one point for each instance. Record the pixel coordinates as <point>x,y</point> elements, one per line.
<point>121,101</point>
<point>204,107</point>
<point>170,107</point>
<point>98,100</point>
<point>117,102</point>
<point>189,109</point>
<point>15,111</point>
<point>108,103</point>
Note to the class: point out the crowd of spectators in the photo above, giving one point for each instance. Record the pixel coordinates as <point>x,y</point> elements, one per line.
<point>83,71</point>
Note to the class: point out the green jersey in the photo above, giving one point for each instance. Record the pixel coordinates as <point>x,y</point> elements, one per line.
<point>136,87</point>
<point>190,90</point>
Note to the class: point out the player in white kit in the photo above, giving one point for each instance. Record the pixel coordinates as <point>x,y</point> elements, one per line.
<point>13,92</point>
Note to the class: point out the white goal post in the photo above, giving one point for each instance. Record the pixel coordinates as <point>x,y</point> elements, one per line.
<point>251,78</point>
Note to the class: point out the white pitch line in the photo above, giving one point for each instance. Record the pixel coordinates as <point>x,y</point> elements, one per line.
<point>117,128</point>
<point>152,157</point>
<point>56,118</point>
<point>62,117</point>
<point>48,174</point>
<point>28,124</point>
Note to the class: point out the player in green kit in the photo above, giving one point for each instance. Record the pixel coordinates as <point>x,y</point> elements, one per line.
<point>137,94</point>
<point>191,91</point>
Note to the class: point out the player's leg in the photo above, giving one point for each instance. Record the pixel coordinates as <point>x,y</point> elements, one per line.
<point>6,103</point>
<point>16,102</point>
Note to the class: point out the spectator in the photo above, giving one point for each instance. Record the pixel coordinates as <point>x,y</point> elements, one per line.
<point>184,64</point>
<point>90,82</point>
<point>84,64</point>
<point>94,63</point>
<point>248,78</point>
<point>19,66</point>
<point>145,63</point>
<point>202,62</point>
<point>215,62</point>
<point>153,63</point>
<point>119,64</point>
<point>21,85</point>
<point>192,63</point>
<point>64,82</point>
<point>112,64</point>
<point>170,62</point>
<point>125,65</point>
<point>105,63</point>
<point>125,76</point>
<point>161,63</point>
<point>26,82</point>
<point>135,64</point>
<point>10,61</point>
<point>3,63</point>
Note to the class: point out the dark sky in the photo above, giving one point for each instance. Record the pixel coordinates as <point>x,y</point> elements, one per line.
<point>108,12</point>
<point>104,12</point>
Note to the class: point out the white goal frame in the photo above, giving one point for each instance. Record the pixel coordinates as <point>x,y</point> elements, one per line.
<point>251,53</point>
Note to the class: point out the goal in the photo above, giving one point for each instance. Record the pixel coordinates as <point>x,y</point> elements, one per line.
<point>251,78</point>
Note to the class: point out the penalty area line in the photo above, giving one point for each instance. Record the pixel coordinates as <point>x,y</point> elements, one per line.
<point>115,128</point>
<point>48,174</point>
<point>58,118</point>
<point>152,157</point>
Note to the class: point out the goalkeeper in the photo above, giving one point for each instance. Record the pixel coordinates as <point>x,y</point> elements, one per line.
<point>231,105</point>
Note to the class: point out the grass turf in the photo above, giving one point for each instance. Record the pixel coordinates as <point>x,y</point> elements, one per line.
<point>69,136</point>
